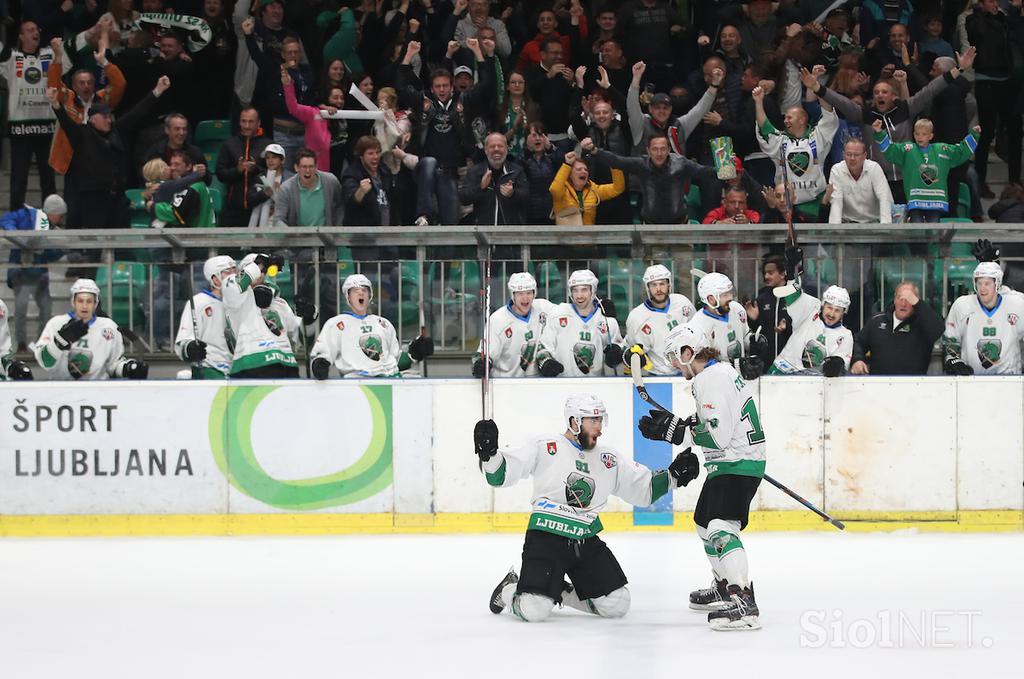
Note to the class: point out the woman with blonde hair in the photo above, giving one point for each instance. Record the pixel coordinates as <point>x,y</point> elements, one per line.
<point>575,197</point>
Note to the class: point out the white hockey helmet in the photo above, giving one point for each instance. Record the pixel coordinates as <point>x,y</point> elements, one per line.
<point>85,285</point>
<point>356,280</point>
<point>583,277</point>
<point>988,270</point>
<point>579,406</point>
<point>656,272</point>
<point>521,281</point>
<point>247,260</point>
<point>836,296</point>
<point>215,266</point>
<point>714,285</point>
<point>683,336</point>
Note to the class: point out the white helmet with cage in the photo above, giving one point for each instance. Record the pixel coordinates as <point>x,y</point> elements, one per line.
<point>656,272</point>
<point>356,280</point>
<point>579,406</point>
<point>837,297</point>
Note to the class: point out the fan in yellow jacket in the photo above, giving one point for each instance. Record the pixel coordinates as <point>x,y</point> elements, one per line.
<point>574,197</point>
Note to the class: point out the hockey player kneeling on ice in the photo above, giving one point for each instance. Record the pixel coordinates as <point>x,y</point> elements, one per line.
<point>578,338</point>
<point>728,428</point>
<point>983,330</point>
<point>819,342</point>
<point>80,345</point>
<point>10,367</point>
<point>361,344</point>
<point>573,477</point>
<point>258,351</point>
<point>649,323</point>
<point>211,352</point>
<point>514,331</point>
<point>723,321</point>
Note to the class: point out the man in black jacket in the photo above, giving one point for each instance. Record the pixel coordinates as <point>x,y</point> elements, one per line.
<point>767,311</point>
<point>368,187</point>
<point>496,187</point>
<point>102,147</point>
<point>240,163</point>
<point>899,340</point>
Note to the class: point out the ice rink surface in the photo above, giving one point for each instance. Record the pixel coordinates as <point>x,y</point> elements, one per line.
<point>832,605</point>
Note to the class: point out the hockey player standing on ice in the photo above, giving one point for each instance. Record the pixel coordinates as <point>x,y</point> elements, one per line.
<point>573,477</point>
<point>727,427</point>
<point>361,344</point>
<point>211,352</point>
<point>514,331</point>
<point>724,322</point>
<point>578,339</point>
<point>81,345</point>
<point>650,322</point>
<point>803,148</point>
<point>258,351</point>
<point>983,330</point>
<point>10,367</point>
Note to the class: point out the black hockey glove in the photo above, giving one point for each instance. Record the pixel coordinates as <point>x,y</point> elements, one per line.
<point>71,332</point>
<point>613,356</point>
<point>954,366</point>
<point>262,260</point>
<point>478,367</point>
<point>17,370</point>
<point>485,439</point>
<point>608,308</point>
<point>759,347</point>
<point>420,348</point>
<point>834,366</point>
<point>751,367</point>
<point>684,468</point>
<point>264,295</point>
<point>549,367</point>
<point>195,350</point>
<point>320,367</point>
<point>307,311</point>
<point>663,426</point>
<point>794,262</point>
<point>134,370</point>
<point>985,251</point>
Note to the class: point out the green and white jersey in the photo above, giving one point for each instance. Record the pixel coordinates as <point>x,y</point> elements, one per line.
<point>255,344</point>
<point>805,349</point>
<point>360,346</point>
<point>804,157</point>
<point>578,342</point>
<point>513,339</point>
<point>283,322</point>
<point>571,485</point>
<point>730,426</point>
<point>988,340</point>
<point>648,326</point>
<point>213,327</point>
<point>839,342</point>
<point>726,333</point>
<point>98,355</point>
<point>926,168</point>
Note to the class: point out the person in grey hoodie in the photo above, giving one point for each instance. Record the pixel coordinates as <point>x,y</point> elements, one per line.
<point>658,123</point>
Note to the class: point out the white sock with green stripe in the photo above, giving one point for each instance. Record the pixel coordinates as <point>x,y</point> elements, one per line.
<point>724,538</point>
<point>710,552</point>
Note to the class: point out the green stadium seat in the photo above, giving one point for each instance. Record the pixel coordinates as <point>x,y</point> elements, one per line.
<point>963,206</point>
<point>217,198</point>
<point>212,131</point>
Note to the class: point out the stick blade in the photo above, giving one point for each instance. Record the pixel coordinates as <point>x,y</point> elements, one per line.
<point>636,368</point>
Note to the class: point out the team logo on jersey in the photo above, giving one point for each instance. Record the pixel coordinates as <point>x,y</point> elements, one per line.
<point>508,332</point>
<point>929,174</point>
<point>1011,319</point>
<point>989,352</point>
<point>603,328</point>
<point>340,325</point>
<point>372,346</point>
<point>552,447</point>
<point>563,321</point>
<point>208,311</point>
<point>814,352</point>
<point>108,334</point>
<point>579,490</point>
<point>646,329</point>
<point>799,162</point>
<point>583,354</point>
<point>608,460</point>
<point>527,354</point>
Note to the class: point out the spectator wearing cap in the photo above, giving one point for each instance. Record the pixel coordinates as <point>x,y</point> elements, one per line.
<point>102,147</point>
<point>899,340</point>
<point>240,161</point>
<point>265,189</point>
<point>32,281</point>
<point>658,123</point>
<point>310,198</point>
<point>859,192</point>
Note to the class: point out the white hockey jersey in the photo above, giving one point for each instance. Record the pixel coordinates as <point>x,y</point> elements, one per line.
<point>255,345</point>
<point>987,340</point>
<point>359,346</point>
<point>283,322</point>
<point>804,157</point>
<point>730,426</point>
<point>578,342</point>
<point>805,349</point>
<point>98,355</point>
<point>213,327</point>
<point>648,326</point>
<point>728,333</point>
<point>571,485</point>
<point>839,342</point>
<point>513,339</point>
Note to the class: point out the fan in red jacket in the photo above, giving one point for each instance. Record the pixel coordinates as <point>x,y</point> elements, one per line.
<point>733,209</point>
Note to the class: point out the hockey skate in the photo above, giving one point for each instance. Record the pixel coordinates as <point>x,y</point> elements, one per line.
<point>741,614</point>
<point>497,604</point>
<point>711,598</point>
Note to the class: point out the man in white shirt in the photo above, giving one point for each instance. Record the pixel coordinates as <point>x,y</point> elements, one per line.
<point>860,192</point>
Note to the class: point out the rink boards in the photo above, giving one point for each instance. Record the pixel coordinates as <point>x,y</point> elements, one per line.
<point>302,457</point>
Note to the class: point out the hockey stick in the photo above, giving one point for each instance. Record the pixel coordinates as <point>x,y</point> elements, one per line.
<point>485,384</point>
<point>638,382</point>
<point>789,288</point>
<point>196,366</point>
<point>423,323</point>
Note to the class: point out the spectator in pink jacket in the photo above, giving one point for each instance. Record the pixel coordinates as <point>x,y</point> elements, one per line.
<point>327,137</point>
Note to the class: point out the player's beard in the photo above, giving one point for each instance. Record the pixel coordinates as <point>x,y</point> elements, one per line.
<point>587,442</point>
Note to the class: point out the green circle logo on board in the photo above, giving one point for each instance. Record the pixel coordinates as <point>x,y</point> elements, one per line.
<point>230,427</point>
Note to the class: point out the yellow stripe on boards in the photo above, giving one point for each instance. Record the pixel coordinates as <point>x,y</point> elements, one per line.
<point>450,523</point>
